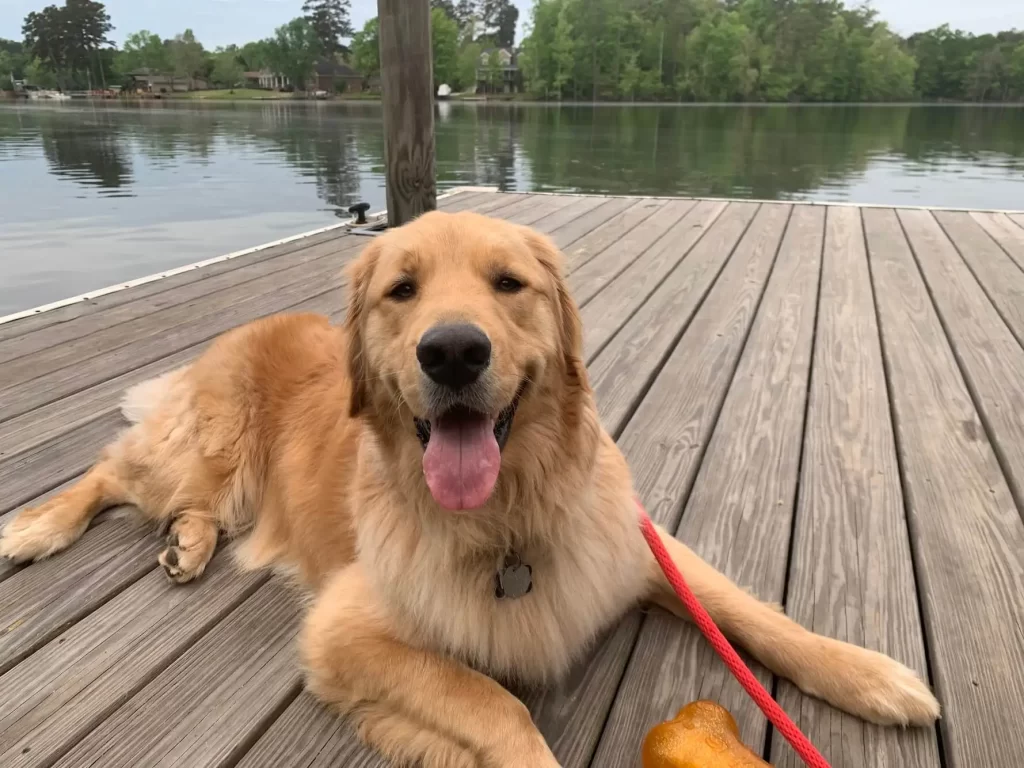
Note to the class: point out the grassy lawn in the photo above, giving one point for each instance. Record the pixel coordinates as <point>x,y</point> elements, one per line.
<point>236,94</point>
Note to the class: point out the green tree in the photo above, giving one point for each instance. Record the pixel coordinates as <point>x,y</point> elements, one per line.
<point>330,20</point>
<point>13,61</point>
<point>444,38</point>
<point>447,7</point>
<point>143,50</point>
<point>366,49</point>
<point>67,38</point>
<point>294,50</point>
<point>187,56</point>
<point>469,62</point>
<point>227,70</point>
<point>255,55</point>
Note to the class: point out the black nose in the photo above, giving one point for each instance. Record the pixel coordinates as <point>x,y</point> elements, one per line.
<point>454,355</point>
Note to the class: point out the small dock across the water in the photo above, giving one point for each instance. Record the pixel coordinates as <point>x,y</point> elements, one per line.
<point>826,402</point>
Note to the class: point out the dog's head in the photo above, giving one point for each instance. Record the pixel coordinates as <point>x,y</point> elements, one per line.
<point>456,324</point>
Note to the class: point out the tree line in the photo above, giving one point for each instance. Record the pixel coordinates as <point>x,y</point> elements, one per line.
<point>633,50</point>
<point>67,46</point>
<point>757,50</point>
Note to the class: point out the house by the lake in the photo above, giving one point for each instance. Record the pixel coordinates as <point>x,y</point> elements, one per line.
<point>327,75</point>
<point>498,71</point>
<point>148,81</point>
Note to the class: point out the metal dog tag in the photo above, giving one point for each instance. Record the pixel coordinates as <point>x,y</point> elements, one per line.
<point>514,578</point>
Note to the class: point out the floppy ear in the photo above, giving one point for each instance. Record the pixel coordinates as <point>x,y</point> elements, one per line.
<point>570,327</point>
<point>359,274</point>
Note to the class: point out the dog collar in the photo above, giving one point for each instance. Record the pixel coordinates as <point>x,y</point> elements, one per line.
<point>514,577</point>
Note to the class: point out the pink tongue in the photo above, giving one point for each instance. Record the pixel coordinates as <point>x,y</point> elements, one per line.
<point>461,462</point>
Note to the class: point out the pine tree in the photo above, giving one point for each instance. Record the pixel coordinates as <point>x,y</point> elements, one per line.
<point>330,19</point>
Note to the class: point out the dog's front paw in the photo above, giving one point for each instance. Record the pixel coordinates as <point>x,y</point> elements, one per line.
<point>873,686</point>
<point>38,533</point>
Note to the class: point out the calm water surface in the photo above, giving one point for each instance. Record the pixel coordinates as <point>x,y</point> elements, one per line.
<point>94,195</point>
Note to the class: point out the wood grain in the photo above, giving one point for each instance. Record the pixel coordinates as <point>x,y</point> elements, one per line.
<point>299,736</point>
<point>623,294</point>
<point>213,700</point>
<point>586,280</point>
<point>1009,236</point>
<point>565,236</point>
<point>991,359</point>
<point>636,216</point>
<point>41,601</point>
<point>738,515</point>
<point>55,697</point>
<point>72,312</point>
<point>636,352</point>
<point>851,575</point>
<point>52,343</point>
<point>1001,279</point>
<point>966,533</point>
<point>407,98</point>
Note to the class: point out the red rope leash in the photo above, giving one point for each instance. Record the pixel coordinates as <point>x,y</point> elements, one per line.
<point>740,671</point>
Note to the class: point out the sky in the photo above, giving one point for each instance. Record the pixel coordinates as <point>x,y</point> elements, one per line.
<point>220,22</point>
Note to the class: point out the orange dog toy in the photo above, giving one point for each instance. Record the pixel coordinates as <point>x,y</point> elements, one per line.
<point>702,735</point>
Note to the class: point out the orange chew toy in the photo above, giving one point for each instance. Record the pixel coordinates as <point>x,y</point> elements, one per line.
<point>702,735</point>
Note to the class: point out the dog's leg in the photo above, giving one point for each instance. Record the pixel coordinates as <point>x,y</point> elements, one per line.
<point>354,660</point>
<point>56,524</point>
<point>856,680</point>
<point>190,544</point>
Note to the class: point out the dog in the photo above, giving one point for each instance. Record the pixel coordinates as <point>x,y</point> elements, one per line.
<point>435,473</point>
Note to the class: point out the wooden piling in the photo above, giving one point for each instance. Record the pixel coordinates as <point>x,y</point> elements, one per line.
<point>407,93</point>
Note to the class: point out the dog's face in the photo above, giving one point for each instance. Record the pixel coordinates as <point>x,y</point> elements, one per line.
<point>454,320</point>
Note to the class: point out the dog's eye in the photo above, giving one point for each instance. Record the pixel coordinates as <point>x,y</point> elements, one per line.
<point>402,290</point>
<point>508,284</point>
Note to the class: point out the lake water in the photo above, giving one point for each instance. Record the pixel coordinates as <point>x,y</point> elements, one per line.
<point>95,195</point>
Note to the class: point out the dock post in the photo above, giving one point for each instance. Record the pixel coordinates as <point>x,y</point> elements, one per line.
<point>407,93</point>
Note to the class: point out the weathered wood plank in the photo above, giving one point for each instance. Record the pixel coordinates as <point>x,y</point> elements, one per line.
<point>1017,218</point>
<point>51,347</point>
<point>615,232</point>
<point>991,358</point>
<point>51,700</point>
<point>588,279</point>
<point>299,736</point>
<point>624,294</point>
<point>39,602</point>
<point>299,280</point>
<point>465,200</point>
<point>636,352</point>
<point>560,217</point>
<point>213,700</point>
<point>851,575</point>
<point>966,532</point>
<point>1001,279</point>
<point>23,397</point>
<point>738,516</point>
<point>577,229</point>
<point>73,312</point>
<point>407,98</point>
<point>1009,236</point>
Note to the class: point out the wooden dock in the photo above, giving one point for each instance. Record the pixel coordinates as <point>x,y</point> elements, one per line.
<point>826,402</point>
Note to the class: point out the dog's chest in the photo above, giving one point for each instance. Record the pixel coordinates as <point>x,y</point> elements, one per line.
<point>456,607</point>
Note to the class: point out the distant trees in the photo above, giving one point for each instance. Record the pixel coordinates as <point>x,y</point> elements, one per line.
<point>675,50</point>
<point>756,50</point>
<point>67,38</point>
<point>330,21</point>
<point>294,50</point>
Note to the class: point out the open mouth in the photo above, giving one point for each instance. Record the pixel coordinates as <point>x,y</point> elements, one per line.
<point>462,453</point>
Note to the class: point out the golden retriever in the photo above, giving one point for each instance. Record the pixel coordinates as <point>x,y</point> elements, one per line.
<point>436,473</point>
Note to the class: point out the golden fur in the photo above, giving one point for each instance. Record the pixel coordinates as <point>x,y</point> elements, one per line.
<point>299,436</point>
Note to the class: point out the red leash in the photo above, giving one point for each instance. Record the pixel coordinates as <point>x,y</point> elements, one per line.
<point>740,671</point>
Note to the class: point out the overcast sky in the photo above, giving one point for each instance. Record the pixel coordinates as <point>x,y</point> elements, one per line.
<point>219,22</point>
